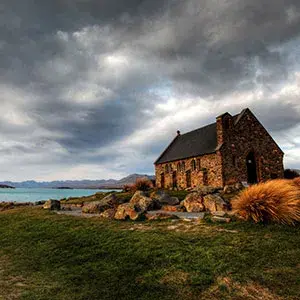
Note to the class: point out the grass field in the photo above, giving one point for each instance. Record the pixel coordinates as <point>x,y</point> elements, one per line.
<point>50,256</point>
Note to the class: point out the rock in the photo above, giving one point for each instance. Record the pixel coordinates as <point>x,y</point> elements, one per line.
<point>193,202</point>
<point>66,208</point>
<point>160,216</point>
<point>206,189</point>
<point>101,205</point>
<point>233,188</point>
<point>220,219</point>
<point>52,205</point>
<point>143,203</point>
<point>127,211</point>
<point>108,214</point>
<point>239,186</point>
<point>169,208</point>
<point>219,213</point>
<point>95,207</point>
<point>214,202</point>
<point>42,202</point>
<point>164,198</point>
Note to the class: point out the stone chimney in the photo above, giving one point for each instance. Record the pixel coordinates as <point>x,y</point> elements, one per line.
<point>224,125</point>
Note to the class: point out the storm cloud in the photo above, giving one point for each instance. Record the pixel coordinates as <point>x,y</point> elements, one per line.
<point>97,89</point>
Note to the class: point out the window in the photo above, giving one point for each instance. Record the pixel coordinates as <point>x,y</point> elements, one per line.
<point>178,167</point>
<point>198,164</point>
<point>226,123</point>
<point>183,166</point>
<point>193,165</point>
<point>167,168</point>
<point>234,160</point>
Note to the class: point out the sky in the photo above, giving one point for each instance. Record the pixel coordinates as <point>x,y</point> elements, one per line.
<point>97,89</point>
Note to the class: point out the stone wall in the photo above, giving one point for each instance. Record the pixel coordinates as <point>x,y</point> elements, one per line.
<point>247,136</point>
<point>236,140</point>
<point>208,172</point>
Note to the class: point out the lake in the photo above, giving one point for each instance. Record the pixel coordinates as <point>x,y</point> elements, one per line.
<point>32,195</point>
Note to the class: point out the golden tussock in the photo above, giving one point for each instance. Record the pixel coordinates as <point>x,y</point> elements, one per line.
<point>273,201</point>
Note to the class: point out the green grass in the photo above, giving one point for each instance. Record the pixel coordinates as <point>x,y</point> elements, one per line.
<point>50,256</point>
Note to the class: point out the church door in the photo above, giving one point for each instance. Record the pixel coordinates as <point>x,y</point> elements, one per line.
<point>251,168</point>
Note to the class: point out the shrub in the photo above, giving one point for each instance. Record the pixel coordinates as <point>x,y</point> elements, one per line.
<point>128,188</point>
<point>273,201</point>
<point>143,184</point>
<point>290,174</point>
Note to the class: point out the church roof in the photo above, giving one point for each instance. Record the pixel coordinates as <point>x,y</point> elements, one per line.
<point>194,143</point>
<point>197,142</point>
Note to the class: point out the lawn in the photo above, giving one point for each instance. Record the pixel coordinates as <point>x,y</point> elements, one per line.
<point>50,256</point>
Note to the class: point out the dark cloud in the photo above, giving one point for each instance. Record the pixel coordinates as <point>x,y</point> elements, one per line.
<point>82,77</point>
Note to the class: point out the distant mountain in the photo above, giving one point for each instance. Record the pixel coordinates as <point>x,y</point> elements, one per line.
<point>79,184</point>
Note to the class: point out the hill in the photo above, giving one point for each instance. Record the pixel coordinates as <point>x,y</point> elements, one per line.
<point>79,184</point>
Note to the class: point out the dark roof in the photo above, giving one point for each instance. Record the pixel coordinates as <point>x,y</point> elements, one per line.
<point>197,142</point>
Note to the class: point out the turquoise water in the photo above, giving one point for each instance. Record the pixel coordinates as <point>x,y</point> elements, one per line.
<point>32,195</point>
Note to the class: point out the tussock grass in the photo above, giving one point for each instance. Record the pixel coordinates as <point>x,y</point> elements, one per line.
<point>296,181</point>
<point>273,201</point>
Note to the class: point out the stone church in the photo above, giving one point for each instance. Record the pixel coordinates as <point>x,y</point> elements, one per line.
<point>233,149</point>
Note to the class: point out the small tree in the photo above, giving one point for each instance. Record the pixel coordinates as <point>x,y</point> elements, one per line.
<point>291,174</point>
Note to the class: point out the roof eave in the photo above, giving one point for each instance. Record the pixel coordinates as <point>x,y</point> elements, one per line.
<point>169,161</point>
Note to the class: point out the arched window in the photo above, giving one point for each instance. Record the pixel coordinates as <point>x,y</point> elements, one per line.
<point>183,166</point>
<point>193,165</point>
<point>198,164</point>
<point>167,168</point>
<point>170,168</point>
<point>226,123</point>
<point>178,167</point>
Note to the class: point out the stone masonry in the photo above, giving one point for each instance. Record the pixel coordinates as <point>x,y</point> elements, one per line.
<point>244,152</point>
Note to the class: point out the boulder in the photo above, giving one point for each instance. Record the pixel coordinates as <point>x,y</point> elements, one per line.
<point>214,202</point>
<point>101,205</point>
<point>219,213</point>
<point>193,202</point>
<point>52,205</point>
<point>164,198</point>
<point>207,189</point>
<point>143,203</point>
<point>220,219</point>
<point>160,216</point>
<point>175,208</point>
<point>108,214</point>
<point>127,211</point>
<point>169,208</point>
<point>233,188</point>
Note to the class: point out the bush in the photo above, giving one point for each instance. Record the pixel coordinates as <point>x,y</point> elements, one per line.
<point>290,174</point>
<point>141,184</point>
<point>273,201</point>
<point>128,188</point>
